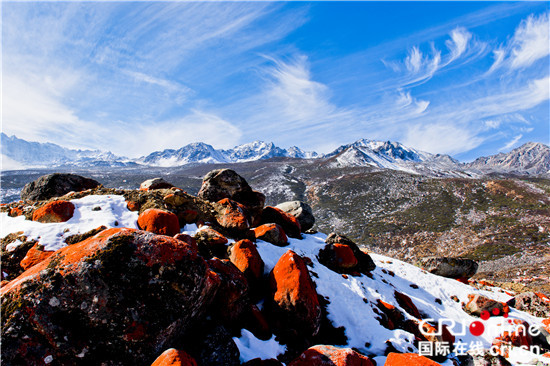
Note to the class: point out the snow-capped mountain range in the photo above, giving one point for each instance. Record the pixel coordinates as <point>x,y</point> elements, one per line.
<point>201,153</point>
<point>531,158</point>
<point>21,154</point>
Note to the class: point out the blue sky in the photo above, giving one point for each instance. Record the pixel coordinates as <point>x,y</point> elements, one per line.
<point>461,78</point>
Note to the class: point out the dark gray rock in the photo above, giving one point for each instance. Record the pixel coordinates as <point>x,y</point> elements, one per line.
<point>56,185</point>
<point>218,348</point>
<point>449,267</point>
<point>226,183</point>
<point>301,210</point>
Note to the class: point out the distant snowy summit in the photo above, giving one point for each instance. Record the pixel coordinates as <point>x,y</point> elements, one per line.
<point>201,153</point>
<point>395,156</point>
<point>529,159</point>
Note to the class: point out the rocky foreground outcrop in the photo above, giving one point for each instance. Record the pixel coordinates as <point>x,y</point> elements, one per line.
<point>56,185</point>
<point>156,294</point>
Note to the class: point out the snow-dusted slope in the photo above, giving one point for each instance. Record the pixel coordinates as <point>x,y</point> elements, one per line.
<point>532,158</point>
<point>199,153</point>
<point>351,299</point>
<point>395,156</point>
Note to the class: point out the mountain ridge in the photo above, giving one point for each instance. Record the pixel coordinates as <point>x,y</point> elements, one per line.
<point>529,159</point>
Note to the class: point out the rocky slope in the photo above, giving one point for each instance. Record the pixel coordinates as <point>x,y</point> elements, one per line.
<point>530,158</point>
<point>158,276</point>
<point>502,222</point>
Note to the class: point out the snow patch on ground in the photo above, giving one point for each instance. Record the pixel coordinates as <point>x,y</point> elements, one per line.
<point>113,213</point>
<point>251,347</point>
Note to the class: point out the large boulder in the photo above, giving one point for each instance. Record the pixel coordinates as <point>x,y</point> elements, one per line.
<point>344,256</point>
<point>326,355</point>
<point>232,299</point>
<point>301,210</point>
<point>119,297</point>
<point>294,299</point>
<point>231,215</point>
<point>159,222</point>
<point>245,256</point>
<point>290,224</point>
<point>226,183</point>
<point>56,185</point>
<point>55,211</point>
<point>272,233</point>
<point>449,267</point>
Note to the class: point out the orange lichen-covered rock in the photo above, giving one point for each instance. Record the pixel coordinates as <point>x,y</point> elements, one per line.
<point>159,222</point>
<point>174,357</point>
<point>133,205</point>
<point>272,233</point>
<point>289,223</point>
<point>326,355</point>
<point>408,359</point>
<point>245,257</point>
<point>294,297</point>
<point>121,284</point>
<point>479,303</point>
<point>35,255</point>
<point>55,211</point>
<point>344,256</point>
<point>232,215</point>
<point>406,303</point>
<point>187,239</point>
<point>391,317</point>
<point>15,211</point>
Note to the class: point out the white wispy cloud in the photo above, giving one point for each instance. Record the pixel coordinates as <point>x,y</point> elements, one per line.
<point>422,67</point>
<point>441,138</point>
<point>83,74</point>
<point>458,43</point>
<point>198,126</point>
<point>530,43</point>
<point>511,143</point>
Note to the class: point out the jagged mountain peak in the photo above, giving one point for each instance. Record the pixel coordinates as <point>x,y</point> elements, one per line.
<point>530,158</point>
